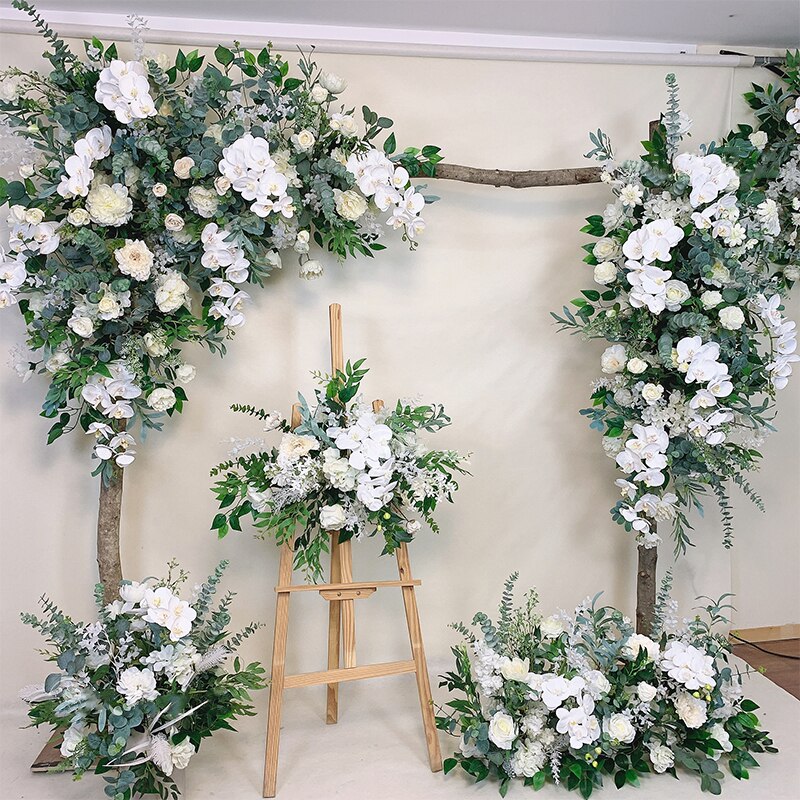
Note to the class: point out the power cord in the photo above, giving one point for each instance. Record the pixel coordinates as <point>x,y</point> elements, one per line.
<point>763,649</point>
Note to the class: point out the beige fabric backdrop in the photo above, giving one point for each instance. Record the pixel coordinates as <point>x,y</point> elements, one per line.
<point>464,321</point>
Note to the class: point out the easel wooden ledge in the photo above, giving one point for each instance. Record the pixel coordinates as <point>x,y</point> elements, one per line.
<point>341,594</point>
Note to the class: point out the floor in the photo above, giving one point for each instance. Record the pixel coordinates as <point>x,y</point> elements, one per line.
<point>377,752</point>
<point>783,671</point>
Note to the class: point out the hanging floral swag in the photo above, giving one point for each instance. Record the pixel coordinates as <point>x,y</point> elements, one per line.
<point>137,691</point>
<point>154,192</point>
<point>347,467</point>
<point>572,698</point>
<point>694,258</point>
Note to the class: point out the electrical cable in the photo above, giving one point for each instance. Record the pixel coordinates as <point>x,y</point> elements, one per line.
<point>763,649</point>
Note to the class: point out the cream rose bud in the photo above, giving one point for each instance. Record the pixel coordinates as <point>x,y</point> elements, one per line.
<point>636,366</point>
<point>551,627</point>
<point>605,272</point>
<point>758,139</point>
<point>78,217</point>
<point>349,205</point>
<point>731,318</point>
<point>174,222</point>
<point>203,201</point>
<point>502,730</point>
<point>619,728</point>
<point>83,326</point>
<point>605,249</point>
<point>332,82</point>
<point>221,185</point>
<point>319,94</point>
<point>155,345</point>
<point>651,393</point>
<point>159,189</point>
<point>613,359</point>
<point>185,373</point>
<point>515,669</point>
<point>646,692</point>
<point>161,399</point>
<point>183,167</point>
<point>710,299</point>
<point>135,259</point>
<point>332,518</point>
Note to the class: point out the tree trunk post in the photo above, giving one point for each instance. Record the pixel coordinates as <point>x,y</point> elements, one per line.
<point>518,179</point>
<point>109,563</point>
<point>646,589</point>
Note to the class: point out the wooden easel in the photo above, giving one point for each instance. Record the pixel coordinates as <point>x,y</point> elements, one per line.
<point>341,594</point>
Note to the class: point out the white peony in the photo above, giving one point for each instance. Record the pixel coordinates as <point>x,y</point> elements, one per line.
<point>332,82</point>
<point>185,373</point>
<point>637,642</point>
<point>58,360</point>
<point>614,359</point>
<point>10,88</point>
<point>332,518</point>
<point>293,446</point>
<point>349,205</point>
<point>109,205</point>
<point>133,592</point>
<point>161,399</point>
<point>136,684</point>
<point>134,259</point>
<point>731,318</point>
<point>692,710</point>
<point>72,737</point>
<point>646,692</point>
<point>172,292</point>
<point>203,201</point>
<point>662,758</point>
<point>502,730</point>
<point>619,728</point>
<point>183,167</point>
<point>605,272</point>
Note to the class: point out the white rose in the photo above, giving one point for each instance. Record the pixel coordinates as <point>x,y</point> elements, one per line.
<point>758,139</point>
<point>221,185</point>
<point>677,293</point>
<point>613,359</point>
<point>551,627</point>
<point>619,728</point>
<point>332,82</point>
<point>33,216</point>
<point>636,366</point>
<point>186,373</point>
<point>159,189</point>
<point>109,205</point>
<point>344,123</point>
<point>133,592</point>
<point>78,217</point>
<point>181,754</point>
<point>646,692</point>
<point>332,518</point>
<point>203,201</point>
<point>605,272</point>
<point>637,642</point>
<point>731,318</point>
<point>791,272</point>
<point>502,730</point>
<point>515,669</point>
<point>710,299</point>
<point>691,710</point>
<point>155,345</point>
<point>26,170</point>
<point>83,326</point>
<point>652,393</point>
<point>303,141</point>
<point>319,94</point>
<point>72,737</point>
<point>10,86</point>
<point>183,167</point>
<point>109,306</point>
<point>662,758</point>
<point>173,222</point>
<point>56,361</point>
<point>719,733</point>
<point>349,205</point>
<point>134,259</point>
<point>172,292</point>
<point>161,399</point>
<point>605,249</point>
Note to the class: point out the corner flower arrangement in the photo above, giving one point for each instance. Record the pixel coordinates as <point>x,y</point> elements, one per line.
<point>347,467</point>
<point>572,698</point>
<point>137,691</point>
<point>693,258</point>
<point>155,193</point>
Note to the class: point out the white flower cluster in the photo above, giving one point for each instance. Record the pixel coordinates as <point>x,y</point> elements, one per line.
<point>94,146</point>
<point>389,187</point>
<point>111,394</point>
<point>647,508</point>
<point>644,454</point>
<point>783,333</point>
<point>793,115</point>
<point>720,218</point>
<point>220,252</point>
<point>709,176</point>
<point>157,606</point>
<point>252,172</point>
<point>30,234</point>
<point>110,444</point>
<point>124,89</point>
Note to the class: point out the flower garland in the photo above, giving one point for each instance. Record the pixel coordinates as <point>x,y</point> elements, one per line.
<point>573,697</point>
<point>693,258</point>
<point>159,194</point>
<point>346,468</point>
<point>138,690</point>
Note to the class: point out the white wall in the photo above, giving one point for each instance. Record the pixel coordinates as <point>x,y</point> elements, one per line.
<point>465,321</point>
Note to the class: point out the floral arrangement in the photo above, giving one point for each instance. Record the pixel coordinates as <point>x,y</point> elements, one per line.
<point>155,192</point>
<point>573,697</point>
<point>693,257</point>
<point>347,467</point>
<point>138,690</point>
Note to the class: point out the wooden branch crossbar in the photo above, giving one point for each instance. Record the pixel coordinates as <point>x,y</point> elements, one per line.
<point>341,594</point>
<point>518,179</point>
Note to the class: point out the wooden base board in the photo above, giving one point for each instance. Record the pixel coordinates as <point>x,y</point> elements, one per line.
<point>50,756</point>
<point>769,633</point>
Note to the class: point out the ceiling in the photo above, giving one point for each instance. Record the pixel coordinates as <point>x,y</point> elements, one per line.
<point>731,23</point>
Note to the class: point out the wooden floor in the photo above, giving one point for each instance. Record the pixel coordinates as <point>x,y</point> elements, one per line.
<point>783,671</point>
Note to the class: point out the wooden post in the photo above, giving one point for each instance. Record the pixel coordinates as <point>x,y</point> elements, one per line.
<point>646,589</point>
<point>518,179</point>
<point>109,513</point>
